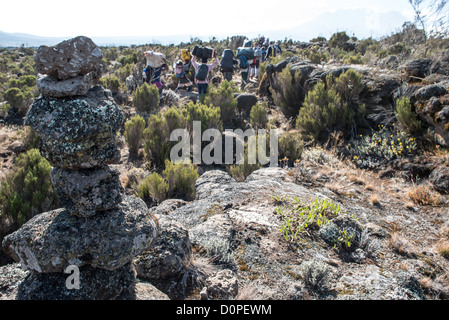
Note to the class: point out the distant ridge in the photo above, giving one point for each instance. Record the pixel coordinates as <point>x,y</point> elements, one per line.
<point>362,23</point>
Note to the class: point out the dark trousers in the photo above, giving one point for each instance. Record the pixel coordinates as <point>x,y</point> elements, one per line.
<point>202,88</point>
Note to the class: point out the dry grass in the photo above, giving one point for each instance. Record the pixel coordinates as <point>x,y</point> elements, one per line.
<point>422,195</point>
<point>443,248</point>
<point>401,245</point>
<point>374,199</point>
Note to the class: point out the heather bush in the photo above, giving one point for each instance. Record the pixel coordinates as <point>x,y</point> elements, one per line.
<point>134,133</point>
<point>27,190</point>
<point>223,97</point>
<point>181,180</point>
<point>291,146</point>
<point>407,117</point>
<point>291,92</point>
<point>146,98</point>
<point>209,116</point>
<point>112,83</point>
<point>258,116</point>
<point>153,187</point>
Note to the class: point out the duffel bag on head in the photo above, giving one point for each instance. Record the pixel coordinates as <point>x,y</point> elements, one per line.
<point>185,55</point>
<point>207,53</point>
<point>155,59</point>
<point>197,52</point>
<point>247,52</point>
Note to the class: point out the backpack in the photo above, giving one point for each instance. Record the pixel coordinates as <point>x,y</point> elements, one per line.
<point>201,72</point>
<point>258,53</point>
<point>243,62</point>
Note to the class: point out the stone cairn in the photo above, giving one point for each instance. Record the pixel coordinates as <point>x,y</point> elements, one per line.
<point>99,230</point>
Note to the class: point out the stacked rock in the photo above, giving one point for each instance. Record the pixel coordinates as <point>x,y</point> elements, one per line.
<point>99,230</point>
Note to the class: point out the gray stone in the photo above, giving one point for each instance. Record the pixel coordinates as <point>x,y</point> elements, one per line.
<point>85,192</point>
<point>169,257</point>
<point>52,87</point>
<point>245,101</point>
<point>69,59</point>
<point>95,284</point>
<point>434,90</point>
<point>78,132</point>
<point>51,241</point>
<point>223,285</point>
<point>440,179</point>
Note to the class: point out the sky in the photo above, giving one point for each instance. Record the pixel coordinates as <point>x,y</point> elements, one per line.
<point>61,18</point>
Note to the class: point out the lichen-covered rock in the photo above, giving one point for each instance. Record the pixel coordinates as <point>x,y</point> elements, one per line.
<point>69,59</point>
<point>51,241</point>
<point>52,87</point>
<point>440,179</point>
<point>434,90</point>
<point>78,132</point>
<point>85,192</point>
<point>245,101</point>
<point>169,257</point>
<point>95,284</point>
<point>223,285</point>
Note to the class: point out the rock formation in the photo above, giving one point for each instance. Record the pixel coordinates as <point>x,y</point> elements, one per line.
<point>99,230</point>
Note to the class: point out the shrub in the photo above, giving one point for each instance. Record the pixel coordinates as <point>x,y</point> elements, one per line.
<point>406,116</point>
<point>323,109</point>
<point>349,85</point>
<point>154,187</point>
<point>315,55</point>
<point>146,98</point>
<point>27,191</point>
<point>112,83</point>
<point>372,151</point>
<point>354,59</point>
<point>209,116</point>
<point>223,97</point>
<point>291,146</point>
<point>181,180</point>
<point>258,116</point>
<point>338,39</point>
<point>157,143</point>
<point>134,133</point>
<point>241,171</point>
<point>14,97</point>
<point>291,92</point>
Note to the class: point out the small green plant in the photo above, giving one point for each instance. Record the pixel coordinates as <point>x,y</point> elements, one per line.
<point>299,218</point>
<point>407,117</point>
<point>156,137</point>
<point>112,83</point>
<point>258,116</point>
<point>134,133</point>
<point>146,98</point>
<point>153,187</point>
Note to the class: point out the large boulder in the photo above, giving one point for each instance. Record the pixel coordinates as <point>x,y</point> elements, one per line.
<point>69,59</point>
<point>87,192</point>
<point>416,70</point>
<point>440,179</point>
<point>51,241</point>
<point>78,132</point>
<point>245,101</point>
<point>95,284</point>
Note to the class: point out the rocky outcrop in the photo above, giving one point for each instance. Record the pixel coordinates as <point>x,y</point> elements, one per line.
<point>100,231</point>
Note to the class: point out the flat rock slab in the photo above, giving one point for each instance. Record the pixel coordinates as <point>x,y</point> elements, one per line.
<point>86,192</point>
<point>78,132</point>
<point>52,87</point>
<point>51,241</point>
<point>69,59</point>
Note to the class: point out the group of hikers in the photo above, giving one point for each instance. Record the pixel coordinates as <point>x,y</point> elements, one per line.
<point>247,60</point>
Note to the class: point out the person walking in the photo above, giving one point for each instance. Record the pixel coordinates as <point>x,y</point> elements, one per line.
<point>227,63</point>
<point>202,74</point>
<point>255,65</point>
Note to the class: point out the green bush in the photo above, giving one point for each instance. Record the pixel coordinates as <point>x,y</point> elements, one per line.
<point>156,137</point>
<point>258,116</point>
<point>223,97</point>
<point>338,39</point>
<point>323,109</point>
<point>349,85</point>
<point>112,83</point>
<point>181,180</point>
<point>27,191</point>
<point>241,171</point>
<point>315,55</point>
<point>291,92</point>
<point>407,117</point>
<point>153,187</point>
<point>354,59</point>
<point>291,146</point>
<point>134,133</point>
<point>14,97</point>
<point>146,98</point>
<point>209,116</point>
